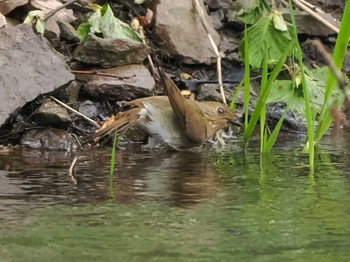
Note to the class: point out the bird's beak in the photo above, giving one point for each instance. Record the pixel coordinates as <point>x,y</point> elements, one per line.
<point>236,123</point>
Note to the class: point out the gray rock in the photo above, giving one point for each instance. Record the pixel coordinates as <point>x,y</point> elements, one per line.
<point>48,138</point>
<point>110,52</point>
<point>6,6</point>
<point>216,18</point>
<point>89,109</point>
<point>304,20</point>
<point>181,33</point>
<point>137,83</point>
<point>211,92</point>
<point>219,4</point>
<point>67,31</point>
<point>29,68</point>
<point>52,114</point>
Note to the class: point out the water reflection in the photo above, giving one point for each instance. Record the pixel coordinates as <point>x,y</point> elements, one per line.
<point>32,178</point>
<point>179,179</point>
<point>229,204</point>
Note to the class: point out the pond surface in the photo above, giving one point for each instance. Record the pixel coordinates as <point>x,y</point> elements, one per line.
<point>225,204</point>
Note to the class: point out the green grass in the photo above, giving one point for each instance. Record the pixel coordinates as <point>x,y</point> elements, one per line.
<point>310,146</point>
<point>112,167</point>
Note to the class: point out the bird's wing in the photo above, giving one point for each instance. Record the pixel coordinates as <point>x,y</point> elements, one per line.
<point>122,122</point>
<point>189,113</point>
<point>176,99</point>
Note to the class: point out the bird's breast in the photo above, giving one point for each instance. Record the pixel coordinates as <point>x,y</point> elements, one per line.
<point>161,122</point>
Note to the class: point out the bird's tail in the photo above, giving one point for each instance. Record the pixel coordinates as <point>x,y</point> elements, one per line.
<point>120,123</point>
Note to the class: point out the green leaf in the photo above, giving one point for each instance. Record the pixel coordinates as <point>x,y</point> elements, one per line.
<point>112,27</point>
<point>276,41</point>
<point>40,26</point>
<point>104,24</point>
<point>278,21</point>
<point>285,91</point>
<point>83,30</point>
<point>138,2</point>
<point>253,10</point>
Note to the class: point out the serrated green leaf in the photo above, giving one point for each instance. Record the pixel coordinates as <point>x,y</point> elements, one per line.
<point>263,31</point>
<point>285,91</point>
<point>252,10</point>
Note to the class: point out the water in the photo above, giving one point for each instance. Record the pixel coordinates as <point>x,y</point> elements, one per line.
<point>215,205</point>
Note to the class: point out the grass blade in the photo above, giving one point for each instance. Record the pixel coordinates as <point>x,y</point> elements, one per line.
<point>263,95</point>
<point>272,139</point>
<point>246,96</point>
<point>308,111</point>
<point>112,166</point>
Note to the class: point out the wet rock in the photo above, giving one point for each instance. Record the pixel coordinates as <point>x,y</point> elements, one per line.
<point>50,113</point>
<point>217,17</point>
<point>334,7</point>
<point>6,6</point>
<point>29,68</point>
<point>110,52</point>
<point>48,138</point>
<point>291,123</point>
<point>211,92</point>
<point>89,109</point>
<point>181,33</point>
<point>136,81</point>
<point>67,31</point>
<point>74,89</point>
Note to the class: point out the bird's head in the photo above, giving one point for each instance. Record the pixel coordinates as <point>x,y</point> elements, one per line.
<point>219,116</point>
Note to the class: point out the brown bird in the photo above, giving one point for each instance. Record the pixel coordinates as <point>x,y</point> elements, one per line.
<point>172,120</point>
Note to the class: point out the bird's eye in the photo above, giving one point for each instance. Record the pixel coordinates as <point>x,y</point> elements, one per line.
<point>221,111</point>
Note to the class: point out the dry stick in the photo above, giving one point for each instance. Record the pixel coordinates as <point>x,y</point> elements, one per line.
<point>100,74</point>
<point>71,170</point>
<point>316,16</point>
<point>75,111</point>
<point>51,13</point>
<point>216,50</point>
<point>149,58</point>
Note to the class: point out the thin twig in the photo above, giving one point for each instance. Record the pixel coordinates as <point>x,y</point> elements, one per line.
<point>83,72</point>
<point>51,13</point>
<point>75,111</point>
<point>316,16</point>
<point>216,50</point>
<point>71,170</point>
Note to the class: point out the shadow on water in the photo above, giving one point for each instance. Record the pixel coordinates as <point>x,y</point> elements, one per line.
<point>212,205</point>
